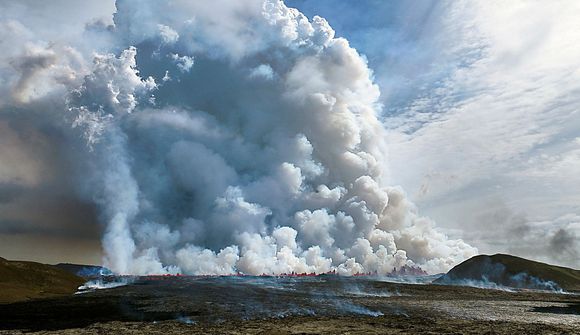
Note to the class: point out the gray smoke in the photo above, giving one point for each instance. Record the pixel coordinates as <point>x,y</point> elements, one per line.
<point>564,245</point>
<point>228,137</point>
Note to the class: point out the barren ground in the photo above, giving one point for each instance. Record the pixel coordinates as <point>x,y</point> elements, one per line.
<point>312,305</point>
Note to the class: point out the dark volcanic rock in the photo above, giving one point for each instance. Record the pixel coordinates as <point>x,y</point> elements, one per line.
<point>293,305</point>
<point>511,271</point>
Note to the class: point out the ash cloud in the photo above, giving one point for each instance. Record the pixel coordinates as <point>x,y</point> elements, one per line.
<point>564,245</point>
<point>225,138</point>
<point>498,228</point>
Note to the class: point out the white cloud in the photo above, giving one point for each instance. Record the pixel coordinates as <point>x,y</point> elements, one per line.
<point>502,125</point>
<point>184,63</point>
<point>262,71</point>
<point>481,100</point>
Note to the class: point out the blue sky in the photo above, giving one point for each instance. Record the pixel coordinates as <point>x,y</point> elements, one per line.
<point>482,100</point>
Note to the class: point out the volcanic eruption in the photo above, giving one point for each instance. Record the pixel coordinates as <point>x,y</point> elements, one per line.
<point>228,137</point>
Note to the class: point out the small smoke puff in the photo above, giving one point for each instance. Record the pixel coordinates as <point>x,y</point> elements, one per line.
<point>93,124</point>
<point>167,34</point>
<point>31,64</point>
<point>315,227</point>
<point>285,237</point>
<point>199,261</point>
<point>114,83</point>
<point>323,33</point>
<point>166,77</point>
<point>263,71</point>
<point>184,63</point>
<point>350,267</point>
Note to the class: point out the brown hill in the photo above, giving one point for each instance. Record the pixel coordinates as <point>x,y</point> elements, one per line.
<point>512,271</point>
<point>21,280</point>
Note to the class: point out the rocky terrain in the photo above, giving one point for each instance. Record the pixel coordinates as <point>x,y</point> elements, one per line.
<point>290,305</point>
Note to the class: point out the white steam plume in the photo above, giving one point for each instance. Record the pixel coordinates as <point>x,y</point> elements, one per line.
<point>242,137</point>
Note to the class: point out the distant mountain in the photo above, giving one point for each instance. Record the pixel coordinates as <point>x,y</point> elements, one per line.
<point>21,280</point>
<point>85,271</point>
<point>511,271</point>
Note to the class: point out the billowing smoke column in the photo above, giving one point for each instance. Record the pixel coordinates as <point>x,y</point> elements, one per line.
<point>241,137</point>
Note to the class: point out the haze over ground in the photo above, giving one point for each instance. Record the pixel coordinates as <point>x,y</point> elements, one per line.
<point>480,101</point>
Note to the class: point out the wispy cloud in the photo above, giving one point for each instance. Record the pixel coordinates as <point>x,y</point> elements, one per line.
<point>491,112</point>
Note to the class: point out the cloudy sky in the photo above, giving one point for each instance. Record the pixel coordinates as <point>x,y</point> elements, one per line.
<point>480,100</point>
<point>482,103</point>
